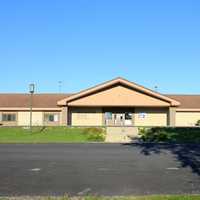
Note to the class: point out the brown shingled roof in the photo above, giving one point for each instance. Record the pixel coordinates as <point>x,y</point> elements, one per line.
<point>50,100</point>
<point>23,100</point>
<point>187,101</point>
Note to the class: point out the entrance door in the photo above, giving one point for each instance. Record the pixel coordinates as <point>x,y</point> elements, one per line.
<point>118,119</point>
<point>128,119</point>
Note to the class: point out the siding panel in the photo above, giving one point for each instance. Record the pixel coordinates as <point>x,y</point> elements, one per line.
<point>86,116</point>
<point>24,118</point>
<point>187,118</point>
<point>152,117</point>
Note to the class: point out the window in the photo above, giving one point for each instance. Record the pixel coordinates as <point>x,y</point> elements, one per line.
<point>142,115</point>
<point>9,117</point>
<point>51,117</point>
<point>128,115</point>
<point>108,115</point>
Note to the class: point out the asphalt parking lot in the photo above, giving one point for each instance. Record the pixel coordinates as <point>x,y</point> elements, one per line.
<point>101,169</point>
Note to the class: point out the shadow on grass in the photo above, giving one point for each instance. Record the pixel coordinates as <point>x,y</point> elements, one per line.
<point>187,154</point>
<point>171,134</point>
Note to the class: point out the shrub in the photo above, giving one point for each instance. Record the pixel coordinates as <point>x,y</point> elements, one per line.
<point>198,123</point>
<point>95,134</point>
<point>167,134</point>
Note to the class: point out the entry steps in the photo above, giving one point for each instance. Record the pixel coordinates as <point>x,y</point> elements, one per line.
<point>121,134</point>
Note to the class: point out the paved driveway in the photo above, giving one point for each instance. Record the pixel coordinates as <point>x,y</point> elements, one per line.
<point>104,169</point>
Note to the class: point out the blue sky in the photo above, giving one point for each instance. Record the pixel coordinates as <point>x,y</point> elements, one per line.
<point>86,42</point>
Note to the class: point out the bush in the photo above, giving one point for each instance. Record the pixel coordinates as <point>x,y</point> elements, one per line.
<point>198,123</point>
<point>95,134</point>
<point>167,134</point>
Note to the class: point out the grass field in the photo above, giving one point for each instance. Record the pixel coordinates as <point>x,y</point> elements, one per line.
<point>158,197</point>
<point>50,135</point>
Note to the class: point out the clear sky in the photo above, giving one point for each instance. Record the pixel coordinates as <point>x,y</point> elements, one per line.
<point>86,42</point>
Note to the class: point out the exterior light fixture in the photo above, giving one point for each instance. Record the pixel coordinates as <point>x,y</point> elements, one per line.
<point>31,88</point>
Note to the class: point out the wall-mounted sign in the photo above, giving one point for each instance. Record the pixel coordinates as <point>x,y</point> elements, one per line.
<point>142,115</point>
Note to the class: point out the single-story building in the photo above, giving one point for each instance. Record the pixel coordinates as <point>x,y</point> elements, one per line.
<point>118,102</point>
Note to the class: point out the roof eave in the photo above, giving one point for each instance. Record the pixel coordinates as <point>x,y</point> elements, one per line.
<point>172,102</point>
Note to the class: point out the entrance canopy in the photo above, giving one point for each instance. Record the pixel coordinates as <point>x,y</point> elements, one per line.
<point>118,93</point>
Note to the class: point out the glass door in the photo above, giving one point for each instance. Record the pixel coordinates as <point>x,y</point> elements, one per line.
<point>108,118</point>
<point>128,119</point>
<point>119,119</point>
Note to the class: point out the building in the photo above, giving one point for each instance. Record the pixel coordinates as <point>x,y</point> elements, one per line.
<point>118,102</point>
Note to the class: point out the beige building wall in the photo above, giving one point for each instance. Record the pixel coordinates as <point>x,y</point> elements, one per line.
<point>187,118</point>
<point>24,118</point>
<point>86,117</point>
<point>119,96</point>
<point>150,117</point>
<point>64,116</point>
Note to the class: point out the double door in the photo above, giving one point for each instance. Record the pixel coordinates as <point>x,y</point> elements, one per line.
<point>118,118</point>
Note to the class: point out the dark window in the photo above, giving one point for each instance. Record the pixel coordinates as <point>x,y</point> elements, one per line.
<point>51,117</point>
<point>128,115</point>
<point>9,117</point>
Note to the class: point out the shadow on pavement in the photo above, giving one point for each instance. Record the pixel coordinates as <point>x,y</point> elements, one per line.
<point>187,154</point>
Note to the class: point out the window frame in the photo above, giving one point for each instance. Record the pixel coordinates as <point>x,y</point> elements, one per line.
<point>109,115</point>
<point>47,117</point>
<point>7,118</point>
<point>128,116</point>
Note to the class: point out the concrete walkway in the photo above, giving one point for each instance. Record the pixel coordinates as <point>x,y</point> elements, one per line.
<point>121,134</point>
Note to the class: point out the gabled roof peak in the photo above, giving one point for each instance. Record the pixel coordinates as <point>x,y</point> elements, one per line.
<point>123,81</point>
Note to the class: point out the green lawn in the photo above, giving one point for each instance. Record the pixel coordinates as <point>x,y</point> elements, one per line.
<point>157,197</point>
<point>50,135</point>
